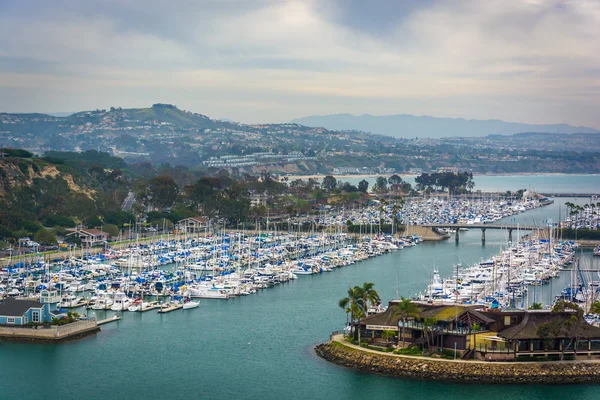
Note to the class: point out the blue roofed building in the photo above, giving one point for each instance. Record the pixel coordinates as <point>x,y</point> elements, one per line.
<point>17,311</point>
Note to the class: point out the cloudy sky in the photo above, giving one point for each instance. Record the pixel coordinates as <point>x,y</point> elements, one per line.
<point>535,61</point>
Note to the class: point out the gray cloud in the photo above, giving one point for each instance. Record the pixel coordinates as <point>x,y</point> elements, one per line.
<point>276,60</point>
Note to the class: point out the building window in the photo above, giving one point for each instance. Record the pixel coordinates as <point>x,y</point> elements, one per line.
<point>35,316</point>
<point>10,320</point>
<point>25,320</point>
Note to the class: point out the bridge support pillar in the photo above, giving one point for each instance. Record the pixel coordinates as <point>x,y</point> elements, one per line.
<point>456,235</point>
<point>510,235</point>
<point>482,235</point>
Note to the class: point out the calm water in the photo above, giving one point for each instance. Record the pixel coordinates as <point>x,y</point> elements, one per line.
<point>259,346</point>
<point>541,183</point>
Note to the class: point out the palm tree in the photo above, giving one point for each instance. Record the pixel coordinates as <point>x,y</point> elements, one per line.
<point>358,314</point>
<point>352,304</point>
<point>428,325</point>
<point>387,335</point>
<point>536,306</point>
<point>475,328</point>
<point>396,208</point>
<point>595,307</point>
<point>406,309</point>
<point>368,295</point>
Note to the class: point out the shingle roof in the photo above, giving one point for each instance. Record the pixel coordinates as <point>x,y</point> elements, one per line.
<point>528,327</point>
<point>386,318</point>
<point>11,307</point>
<point>450,313</point>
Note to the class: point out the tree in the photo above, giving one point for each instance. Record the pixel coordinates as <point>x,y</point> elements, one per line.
<point>368,294</point>
<point>570,325</point>
<point>162,191</point>
<point>161,223</point>
<point>536,306</point>
<point>45,236</point>
<point>352,304</point>
<point>363,186</point>
<point>595,307</point>
<point>428,325</point>
<point>394,180</point>
<point>396,209</point>
<point>111,229</point>
<point>388,335</point>
<point>381,184</point>
<point>475,327</point>
<point>329,183</point>
<point>404,310</point>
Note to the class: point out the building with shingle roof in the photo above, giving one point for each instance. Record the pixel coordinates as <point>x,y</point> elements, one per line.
<point>22,311</point>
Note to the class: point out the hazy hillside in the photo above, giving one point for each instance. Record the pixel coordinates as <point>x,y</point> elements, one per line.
<point>410,126</point>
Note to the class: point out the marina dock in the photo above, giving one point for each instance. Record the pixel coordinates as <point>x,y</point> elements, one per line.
<point>169,308</point>
<point>152,306</point>
<point>109,320</point>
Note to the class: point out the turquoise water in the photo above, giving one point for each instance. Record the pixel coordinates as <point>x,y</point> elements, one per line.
<point>541,183</point>
<point>258,346</point>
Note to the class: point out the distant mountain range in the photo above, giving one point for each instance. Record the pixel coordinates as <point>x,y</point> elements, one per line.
<point>410,126</point>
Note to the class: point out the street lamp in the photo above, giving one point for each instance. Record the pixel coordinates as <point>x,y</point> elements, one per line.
<point>455,350</point>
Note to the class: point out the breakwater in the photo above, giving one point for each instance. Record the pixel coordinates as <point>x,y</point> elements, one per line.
<point>458,370</point>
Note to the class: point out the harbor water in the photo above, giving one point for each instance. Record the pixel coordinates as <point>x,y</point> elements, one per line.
<point>557,183</point>
<point>261,346</point>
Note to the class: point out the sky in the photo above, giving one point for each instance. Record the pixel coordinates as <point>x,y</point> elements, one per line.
<point>534,61</point>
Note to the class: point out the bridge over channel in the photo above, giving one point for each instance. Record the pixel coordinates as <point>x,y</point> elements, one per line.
<point>508,227</point>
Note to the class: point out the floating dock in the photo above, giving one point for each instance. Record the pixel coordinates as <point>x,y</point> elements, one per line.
<point>152,306</point>
<point>109,320</point>
<point>169,308</point>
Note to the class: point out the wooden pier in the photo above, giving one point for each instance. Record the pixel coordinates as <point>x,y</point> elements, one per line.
<point>169,308</point>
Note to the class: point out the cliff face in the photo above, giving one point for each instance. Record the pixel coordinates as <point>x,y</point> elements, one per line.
<point>18,172</point>
<point>461,371</point>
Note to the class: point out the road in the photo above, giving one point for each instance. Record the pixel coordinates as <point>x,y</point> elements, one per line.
<point>128,202</point>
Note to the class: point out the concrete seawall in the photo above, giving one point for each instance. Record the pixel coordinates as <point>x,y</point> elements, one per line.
<point>460,371</point>
<point>50,334</point>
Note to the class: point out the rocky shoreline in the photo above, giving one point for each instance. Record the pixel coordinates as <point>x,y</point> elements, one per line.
<point>460,371</point>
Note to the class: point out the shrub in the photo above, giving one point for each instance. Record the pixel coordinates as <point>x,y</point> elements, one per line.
<point>24,167</point>
<point>19,153</point>
<point>45,236</point>
<point>410,351</point>
<point>59,220</point>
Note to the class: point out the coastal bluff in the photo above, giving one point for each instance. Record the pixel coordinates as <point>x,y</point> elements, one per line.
<point>371,361</point>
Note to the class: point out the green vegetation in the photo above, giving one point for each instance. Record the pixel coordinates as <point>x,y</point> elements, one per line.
<point>165,134</point>
<point>595,307</point>
<point>45,236</point>
<point>409,351</point>
<point>71,317</point>
<point>459,182</point>
<point>406,310</point>
<point>536,306</point>
<point>569,328</point>
<point>358,301</point>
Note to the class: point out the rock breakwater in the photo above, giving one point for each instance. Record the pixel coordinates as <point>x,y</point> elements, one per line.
<point>460,371</point>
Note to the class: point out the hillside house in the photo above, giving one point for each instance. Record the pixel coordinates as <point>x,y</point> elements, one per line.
<point>90,237</point>
<point>193,225</point>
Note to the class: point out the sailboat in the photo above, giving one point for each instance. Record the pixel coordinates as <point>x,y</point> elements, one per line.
<point>189,304</point>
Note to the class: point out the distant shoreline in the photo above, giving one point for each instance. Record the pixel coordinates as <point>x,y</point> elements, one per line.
<point>321,176</point>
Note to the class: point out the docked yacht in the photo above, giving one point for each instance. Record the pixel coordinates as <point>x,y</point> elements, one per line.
<point>206,292</point>
<point>121,302</point>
